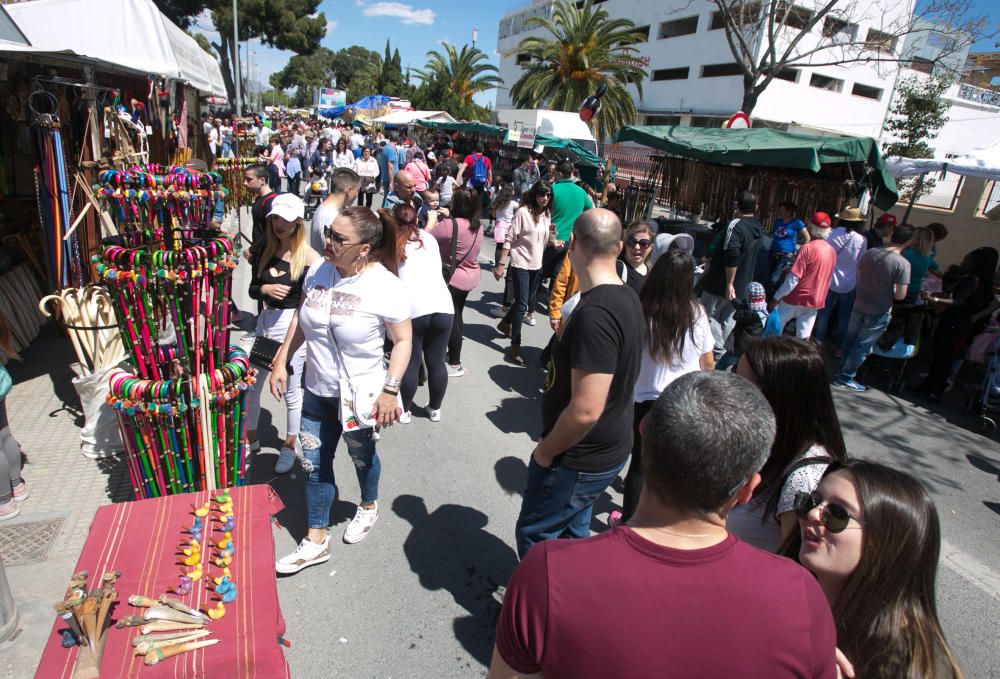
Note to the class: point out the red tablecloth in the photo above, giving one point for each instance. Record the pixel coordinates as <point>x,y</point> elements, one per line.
<point>142,540</point>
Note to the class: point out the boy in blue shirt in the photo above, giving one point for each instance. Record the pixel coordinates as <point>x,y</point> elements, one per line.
<point>784,242</point>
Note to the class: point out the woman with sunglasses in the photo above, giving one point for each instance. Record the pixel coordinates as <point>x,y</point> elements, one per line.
<point>871,536</point>
<point>678,341</point>
<point>633,264</point>
<point>343,156</point>
<point>792,375</point>
<point>350,302</point>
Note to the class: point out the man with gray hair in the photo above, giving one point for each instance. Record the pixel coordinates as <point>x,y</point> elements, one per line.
<point>804,291</point>
<point>344,186</point>
<point>403,192</point>
<point>681,596</point>
<point>587,405</point>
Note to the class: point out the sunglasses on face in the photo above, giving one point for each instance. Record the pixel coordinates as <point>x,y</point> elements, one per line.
<point>641,242</point>
<point>330,234</point>
<point>833,517</point>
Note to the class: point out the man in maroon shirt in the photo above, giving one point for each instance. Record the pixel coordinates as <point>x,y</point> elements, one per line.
<point>672,594</point>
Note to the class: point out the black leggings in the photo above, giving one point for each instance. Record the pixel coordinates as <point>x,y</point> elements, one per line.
<point>365,198</point>
<point>458,297</point>
<point>634,479</point>
<point>430,341</point>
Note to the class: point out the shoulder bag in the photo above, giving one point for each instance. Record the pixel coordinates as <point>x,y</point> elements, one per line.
<point>358,394</point>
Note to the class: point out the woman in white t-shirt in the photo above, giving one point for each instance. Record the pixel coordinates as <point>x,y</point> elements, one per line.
<point>791,373</point>
<point>678,341</point>
<point>343,156</point>
<point>351,301</point>
<point>431,312</point>
<point>367,169</point>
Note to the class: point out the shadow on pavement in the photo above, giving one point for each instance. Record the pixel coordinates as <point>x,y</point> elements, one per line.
<point>450,549</point>
<point>51,353</point>
<point>512,474</point>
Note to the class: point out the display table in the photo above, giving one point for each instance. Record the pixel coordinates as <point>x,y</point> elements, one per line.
<point>142,539</point>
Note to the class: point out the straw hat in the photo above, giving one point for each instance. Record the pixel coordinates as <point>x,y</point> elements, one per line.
<point>850,214</point>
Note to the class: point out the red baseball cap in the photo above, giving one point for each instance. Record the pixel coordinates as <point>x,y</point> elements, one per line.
<point>887,219</point>
<point>821,219</point>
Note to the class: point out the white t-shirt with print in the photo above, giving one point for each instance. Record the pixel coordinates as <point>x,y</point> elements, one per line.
<point>421,274</point>
<point>322,218</point>
<point>745,520</point>
<point>654,376</point>
<point>356,309</point>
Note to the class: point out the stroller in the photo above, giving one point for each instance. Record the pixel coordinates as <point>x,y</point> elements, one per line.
<point>985,401</point>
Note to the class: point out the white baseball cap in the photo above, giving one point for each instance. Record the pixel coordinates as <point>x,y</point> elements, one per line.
<point>287,206</point>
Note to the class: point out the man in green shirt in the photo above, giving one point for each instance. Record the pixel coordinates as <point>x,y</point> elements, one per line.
<point>569,201</point>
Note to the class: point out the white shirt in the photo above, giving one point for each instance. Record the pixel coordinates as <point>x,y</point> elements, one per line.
<point>367,168</point>
<point>507,213</point>
<point>744,521</point>
<point>357,139</point>
<point>263,135</point>
<point>345,159</point>
<point>322,218</point>
<point>421,274</point>
<point>655,376</point>
<point>356,310</point>
<point>849,246</point>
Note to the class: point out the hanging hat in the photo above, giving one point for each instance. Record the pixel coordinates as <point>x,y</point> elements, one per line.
<point>756,298</point>
<point>287,206</point>
<point>821,219</point>
<point>850,214</point>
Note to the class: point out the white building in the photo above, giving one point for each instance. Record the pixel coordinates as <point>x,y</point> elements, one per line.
<point>693,78</point>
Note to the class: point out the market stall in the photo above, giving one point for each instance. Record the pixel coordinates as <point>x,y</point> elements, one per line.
<point>702,169</point>
<point>190,591</point>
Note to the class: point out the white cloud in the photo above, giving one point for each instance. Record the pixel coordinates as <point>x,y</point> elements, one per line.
<point>445,41</point>
<point>331,26</point>
<point>405,13</point>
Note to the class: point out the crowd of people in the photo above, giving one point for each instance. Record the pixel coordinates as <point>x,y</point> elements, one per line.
<point>707,373</point>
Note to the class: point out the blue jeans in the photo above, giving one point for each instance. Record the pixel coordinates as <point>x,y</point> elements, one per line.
<point>558,502</point>
<point>838,305</point>
<point>321,429</point>
<point>525,286</point>
<point>862,332</point>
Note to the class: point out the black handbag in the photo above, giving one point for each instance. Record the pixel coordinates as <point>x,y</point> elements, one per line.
<point>263,351</point>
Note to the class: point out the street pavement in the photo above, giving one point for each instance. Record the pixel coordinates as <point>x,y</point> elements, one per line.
<point>415,599</point>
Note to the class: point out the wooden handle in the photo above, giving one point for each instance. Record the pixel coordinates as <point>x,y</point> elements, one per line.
<point>141,601</point>
<point>158,654</point>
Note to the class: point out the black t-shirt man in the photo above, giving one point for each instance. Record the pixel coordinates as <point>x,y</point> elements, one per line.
<point>603,335</point>
<point>258,235</point>
<point>737,247</point>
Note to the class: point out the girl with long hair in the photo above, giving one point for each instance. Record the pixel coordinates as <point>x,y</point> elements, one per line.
<point>350,302</point>
<point>525,245</point>
<point>444,179</point>
<point>678,340</point>
<point>342,155</point>
<point>633,263</point>
<point>462,227</point>
<point>13,488</point>
<point>431,311</point>
<point>871,536</point>
<point>792,375</point>
<point>920,255</point>
<point>276,282</point>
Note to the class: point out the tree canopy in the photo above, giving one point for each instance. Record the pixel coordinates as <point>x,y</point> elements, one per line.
<point>306,72</point>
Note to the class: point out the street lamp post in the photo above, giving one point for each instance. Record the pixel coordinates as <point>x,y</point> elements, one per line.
<point>475,35</point>
<point>236,66</point>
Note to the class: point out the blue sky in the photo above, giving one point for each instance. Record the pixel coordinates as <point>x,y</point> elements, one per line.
<point>413,27</point>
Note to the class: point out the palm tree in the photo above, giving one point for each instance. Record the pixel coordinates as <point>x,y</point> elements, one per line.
<point>464,73</point>
<point>586,49</point>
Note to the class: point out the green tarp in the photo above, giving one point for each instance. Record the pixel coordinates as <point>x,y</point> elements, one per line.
<point>464,126</point>
<point>768,148</point>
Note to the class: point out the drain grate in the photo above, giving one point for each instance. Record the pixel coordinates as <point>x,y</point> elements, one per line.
<point>27,542</point>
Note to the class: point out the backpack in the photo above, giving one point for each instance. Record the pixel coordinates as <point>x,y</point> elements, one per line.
<point>479,172</point>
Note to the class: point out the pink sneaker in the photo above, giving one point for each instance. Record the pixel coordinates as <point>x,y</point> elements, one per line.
<point>9,510</point>
<point>614,518</point>
<point>21,492</point>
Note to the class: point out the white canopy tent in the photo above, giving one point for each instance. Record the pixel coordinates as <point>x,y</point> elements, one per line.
<point>133,34</point>
<point>983,163</point>
<point>409,117</point>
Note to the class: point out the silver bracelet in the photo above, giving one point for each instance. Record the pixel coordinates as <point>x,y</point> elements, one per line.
<point>392,382</point>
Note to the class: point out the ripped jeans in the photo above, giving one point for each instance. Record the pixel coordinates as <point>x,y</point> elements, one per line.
<point>321,430</point>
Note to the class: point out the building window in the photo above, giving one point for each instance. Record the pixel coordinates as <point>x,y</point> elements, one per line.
<point>879,41</point>
<point>922,65</point>
<point>523,59</point>
<point>744,14</point>
<point>671,73</point>
<point>663,120</point>
<point>678,27</point>
<point>789,74</point>
<point>822,82</point>
<point>720,70</point>
<point>839,30</point>
<point>793,15</point>
<point>706,121</point>
<point>643,33</point>
<point>866,91</point>
<point>941,42</point>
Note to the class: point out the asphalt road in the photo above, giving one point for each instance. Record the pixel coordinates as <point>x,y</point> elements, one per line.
<point>415,598</point>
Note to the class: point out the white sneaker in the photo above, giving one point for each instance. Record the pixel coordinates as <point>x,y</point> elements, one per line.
<point>405,417</point>
<point>530,320</point>
<point>456,370</point>
<point>357,529</point>
<point>308,553</point>
<point>435,415</point>
<point>498,312</point>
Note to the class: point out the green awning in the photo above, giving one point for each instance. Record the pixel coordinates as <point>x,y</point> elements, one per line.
<point>765,147</point>
<point>470,126</point>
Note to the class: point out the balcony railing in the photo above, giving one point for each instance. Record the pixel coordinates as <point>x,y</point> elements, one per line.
<point>979,95</point>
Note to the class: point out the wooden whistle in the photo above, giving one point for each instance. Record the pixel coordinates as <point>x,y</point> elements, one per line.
<point>158,654</point>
